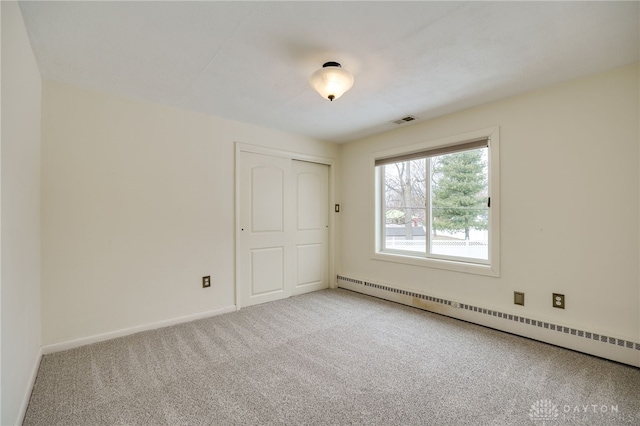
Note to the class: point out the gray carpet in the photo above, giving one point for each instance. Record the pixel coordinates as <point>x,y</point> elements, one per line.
<point>330,358</point>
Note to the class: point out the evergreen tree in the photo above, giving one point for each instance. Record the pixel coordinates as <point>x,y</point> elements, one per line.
<point>459,197</point>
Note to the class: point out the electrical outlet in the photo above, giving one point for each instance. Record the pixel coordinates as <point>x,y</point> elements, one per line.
<point>558,300</point>
<point>206,282</point>
<point>518,298</point>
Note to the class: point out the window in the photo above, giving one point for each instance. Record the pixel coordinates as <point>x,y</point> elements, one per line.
<point>436,203</point>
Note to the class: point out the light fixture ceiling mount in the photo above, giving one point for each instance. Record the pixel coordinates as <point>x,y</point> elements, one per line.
<point>331,81</point>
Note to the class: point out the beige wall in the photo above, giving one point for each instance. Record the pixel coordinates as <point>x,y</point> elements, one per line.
<point>20,223</point>
<point>138,205</point>
<point>569,205</point>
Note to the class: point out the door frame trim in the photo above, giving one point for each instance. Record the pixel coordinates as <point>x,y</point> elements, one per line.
<point>257,149</point>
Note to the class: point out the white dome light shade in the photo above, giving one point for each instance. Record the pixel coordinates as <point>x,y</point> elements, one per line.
<point>331,81</point>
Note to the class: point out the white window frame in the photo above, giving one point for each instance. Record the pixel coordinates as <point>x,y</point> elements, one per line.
<point>491,267</point>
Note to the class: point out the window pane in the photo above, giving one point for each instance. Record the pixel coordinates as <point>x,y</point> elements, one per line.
<point>437,203</point>
<point>459,204</point>
<point>405,205</point>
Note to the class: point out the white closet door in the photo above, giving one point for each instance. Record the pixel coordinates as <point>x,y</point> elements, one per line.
<point>284,228</point>
<point>266,245</point>
<point>311,197</point>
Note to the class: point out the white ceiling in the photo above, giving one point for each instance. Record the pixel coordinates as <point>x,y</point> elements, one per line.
<point>251,61</point>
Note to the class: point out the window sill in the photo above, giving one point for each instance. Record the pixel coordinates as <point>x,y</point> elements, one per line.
<point>468,268</point>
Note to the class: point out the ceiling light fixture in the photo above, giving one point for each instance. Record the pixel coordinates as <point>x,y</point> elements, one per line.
<point>331,81</point>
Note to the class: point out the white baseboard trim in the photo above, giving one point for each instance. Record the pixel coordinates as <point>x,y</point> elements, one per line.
<point>27,394</point>
<point>615,348</point>
<point>76,343</point>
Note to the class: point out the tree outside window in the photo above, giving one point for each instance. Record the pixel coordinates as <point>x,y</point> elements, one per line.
<point>438,205</point>
<point>459,192</point>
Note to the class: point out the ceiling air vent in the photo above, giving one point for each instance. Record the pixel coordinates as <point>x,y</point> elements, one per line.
<point>403,120</point>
